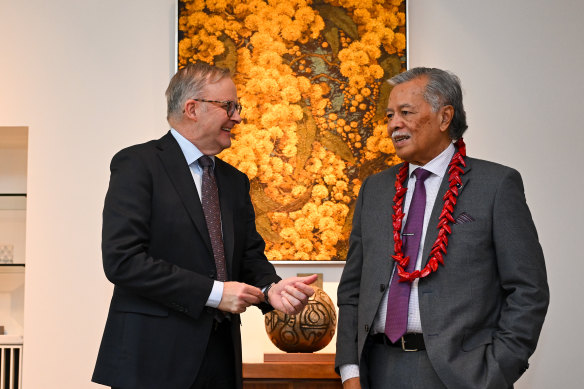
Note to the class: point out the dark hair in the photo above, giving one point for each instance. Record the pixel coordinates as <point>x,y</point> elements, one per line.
<point>443,88</point>
<point>188,83</point>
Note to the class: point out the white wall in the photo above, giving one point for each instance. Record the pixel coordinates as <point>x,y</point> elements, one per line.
<point>88,78</point>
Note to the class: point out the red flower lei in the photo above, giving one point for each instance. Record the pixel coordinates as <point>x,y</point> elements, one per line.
<point>439,248</point>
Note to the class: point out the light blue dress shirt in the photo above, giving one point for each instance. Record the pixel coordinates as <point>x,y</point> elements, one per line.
<point>192,154</point>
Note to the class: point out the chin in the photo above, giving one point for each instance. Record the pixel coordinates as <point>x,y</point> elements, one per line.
<point>402,155</point>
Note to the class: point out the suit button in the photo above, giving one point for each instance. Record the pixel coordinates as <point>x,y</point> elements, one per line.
<point>212,275</point>
<point>366,328</point>
<point>381,287</point>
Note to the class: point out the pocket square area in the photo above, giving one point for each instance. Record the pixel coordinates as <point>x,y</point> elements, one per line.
<point>464,218</point>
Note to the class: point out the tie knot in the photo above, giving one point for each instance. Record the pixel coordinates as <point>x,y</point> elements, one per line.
<point>421,174</point>
<point>206,161</point>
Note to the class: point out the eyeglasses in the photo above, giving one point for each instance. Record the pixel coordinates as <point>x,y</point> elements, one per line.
<point>229,106</point>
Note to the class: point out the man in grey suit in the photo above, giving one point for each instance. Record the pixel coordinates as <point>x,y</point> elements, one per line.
<point>478,292</point>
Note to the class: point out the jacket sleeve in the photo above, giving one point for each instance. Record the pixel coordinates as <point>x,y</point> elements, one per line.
<point>348,293</point>
<point>523,278</point>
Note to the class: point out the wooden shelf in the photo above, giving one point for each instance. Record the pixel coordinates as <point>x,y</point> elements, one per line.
<point>292,371</point>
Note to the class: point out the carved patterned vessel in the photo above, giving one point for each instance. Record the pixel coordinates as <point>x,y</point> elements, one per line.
<point>309,331</point>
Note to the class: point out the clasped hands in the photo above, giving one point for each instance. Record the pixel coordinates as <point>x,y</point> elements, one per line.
<point>289,296</point>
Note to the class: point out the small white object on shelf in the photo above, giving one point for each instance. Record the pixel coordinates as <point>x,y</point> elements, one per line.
<point>6,253</point>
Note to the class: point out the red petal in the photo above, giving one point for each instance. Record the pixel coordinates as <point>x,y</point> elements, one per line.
<point>442,247</point>
<point>425,271</point>
<point>443,222</point>
<point>444,238</point>
<point>433,263</point>
<point>443,213</point>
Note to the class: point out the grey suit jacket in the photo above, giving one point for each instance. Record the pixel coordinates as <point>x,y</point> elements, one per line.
<point>483,311</point>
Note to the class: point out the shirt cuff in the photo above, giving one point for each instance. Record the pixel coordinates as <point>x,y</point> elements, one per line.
<point>216,295</point>
<point>348,371</point>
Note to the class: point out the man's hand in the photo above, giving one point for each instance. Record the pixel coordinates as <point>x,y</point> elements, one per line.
<point>238,296</point>
<point>291,295</point>
<point>352,383</point>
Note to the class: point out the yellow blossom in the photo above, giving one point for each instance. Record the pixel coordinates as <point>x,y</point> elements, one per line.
<point>319,191</point>
<point>298,190</point>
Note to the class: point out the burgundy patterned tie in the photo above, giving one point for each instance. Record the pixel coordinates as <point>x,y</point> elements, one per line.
<point>398,300</point>
<point>212,211</point>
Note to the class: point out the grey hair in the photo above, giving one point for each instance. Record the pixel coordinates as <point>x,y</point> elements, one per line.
<point>443,88</point>
<point>188,82</point>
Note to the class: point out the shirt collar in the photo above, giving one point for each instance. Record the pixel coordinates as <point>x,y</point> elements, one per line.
<point>439,164</point>
<point>190,151</point>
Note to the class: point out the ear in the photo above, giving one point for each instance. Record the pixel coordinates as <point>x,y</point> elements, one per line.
<point>190,110</point>
<point>446,115</point>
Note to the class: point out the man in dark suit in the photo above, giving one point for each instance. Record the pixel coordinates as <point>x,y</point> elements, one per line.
<point>477,290</point>
<point>179,287</point>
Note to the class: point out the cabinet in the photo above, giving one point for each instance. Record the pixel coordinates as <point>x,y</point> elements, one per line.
<point>11,302</point>
<point>12,246</point>
<point>13,167</point>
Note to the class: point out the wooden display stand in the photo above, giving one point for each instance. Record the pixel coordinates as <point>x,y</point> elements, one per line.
<point>292,371</point>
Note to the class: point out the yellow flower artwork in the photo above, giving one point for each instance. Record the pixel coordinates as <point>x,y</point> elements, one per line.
<point>311,77</point>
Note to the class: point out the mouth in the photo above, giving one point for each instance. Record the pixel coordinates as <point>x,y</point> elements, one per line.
<point>227,129</point>
<point>399,138</point>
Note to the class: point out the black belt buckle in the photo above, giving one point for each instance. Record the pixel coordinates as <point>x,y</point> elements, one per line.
<point>404,346</point>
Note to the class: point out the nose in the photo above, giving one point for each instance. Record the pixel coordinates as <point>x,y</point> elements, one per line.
<point>393,123</point>
<point>236,117</point>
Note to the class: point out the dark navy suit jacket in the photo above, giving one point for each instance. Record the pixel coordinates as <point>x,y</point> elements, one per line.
<point>157,252</point>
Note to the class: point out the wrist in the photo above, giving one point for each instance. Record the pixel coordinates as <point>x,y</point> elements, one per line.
<point>266,290</point>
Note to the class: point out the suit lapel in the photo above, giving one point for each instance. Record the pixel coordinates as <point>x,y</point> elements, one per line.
<point>432,229</point>
<point>180,175</point>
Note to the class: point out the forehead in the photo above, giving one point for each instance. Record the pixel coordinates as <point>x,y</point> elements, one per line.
<point>408,93</point>
<point>224,89</point>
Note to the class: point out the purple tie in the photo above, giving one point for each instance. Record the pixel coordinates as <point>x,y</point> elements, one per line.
<point>398,300</point>
<point>212,211</point>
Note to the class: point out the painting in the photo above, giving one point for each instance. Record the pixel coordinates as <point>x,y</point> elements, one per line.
<point>311,77</point>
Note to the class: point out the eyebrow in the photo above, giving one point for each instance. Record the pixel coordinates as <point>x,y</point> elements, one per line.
<point>406,105</point>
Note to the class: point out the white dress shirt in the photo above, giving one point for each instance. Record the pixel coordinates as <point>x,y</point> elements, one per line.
<point>438,167</point>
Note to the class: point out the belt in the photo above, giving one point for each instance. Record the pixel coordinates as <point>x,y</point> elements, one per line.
<point>408,342</point>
